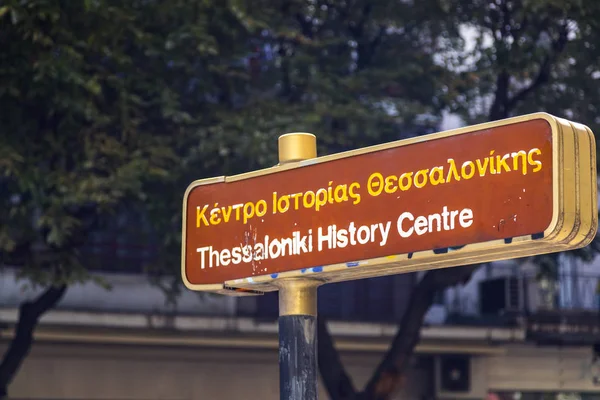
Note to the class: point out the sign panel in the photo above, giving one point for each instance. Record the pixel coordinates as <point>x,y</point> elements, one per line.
<point>505,189</point>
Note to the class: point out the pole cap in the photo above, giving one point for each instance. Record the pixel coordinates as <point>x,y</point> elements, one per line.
<point>297,146</point>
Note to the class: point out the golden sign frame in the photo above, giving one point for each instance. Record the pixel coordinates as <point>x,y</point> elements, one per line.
<point>574,221</point>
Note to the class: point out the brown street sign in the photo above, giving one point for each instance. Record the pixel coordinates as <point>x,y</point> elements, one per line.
<point>512,188</point>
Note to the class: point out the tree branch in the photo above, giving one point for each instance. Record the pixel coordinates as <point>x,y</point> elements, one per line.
<point>506,16</point>
<point>499,109</point>
<point>543,75</point>
<point>522,26</point>
<point>305,26</point>
<point>336,380</point>
<point>389,373</point>
<point>357,30</point>
<point>29,315</point>
<point>367,50</point>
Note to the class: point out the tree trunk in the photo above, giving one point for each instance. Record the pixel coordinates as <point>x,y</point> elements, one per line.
<point>18,349</point>
<point>334,376</point>
<point>499,109</point>
<point>390,373</point>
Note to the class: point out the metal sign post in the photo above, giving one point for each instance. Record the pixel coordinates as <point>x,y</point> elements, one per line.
<point>298,339</point>
<point>512,188</point>
<point>297,304</point>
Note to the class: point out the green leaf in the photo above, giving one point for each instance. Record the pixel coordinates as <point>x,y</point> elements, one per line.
<point>4,10</point>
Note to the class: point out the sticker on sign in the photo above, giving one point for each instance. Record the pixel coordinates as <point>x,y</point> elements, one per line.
<point>511,188</point>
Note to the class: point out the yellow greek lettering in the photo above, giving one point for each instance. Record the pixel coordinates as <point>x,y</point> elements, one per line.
<point>261,204</point>
<point>501,163</point>
<point>305,202</point>
<point>200,216</point>
<point>532,162</point>
<point>330,193</point>
<point>491,158</point>
<point>391,184</point>
<point>248,211</point>
<point>515,156</point>
<point>295,198</point>
<point>341,193</point>
<point>440,175</point>
<point>452,171</point>
<point>407,176</point>
<point>226,211</point>
<point>320,198</point>
<point>274,202</point>
<point>371,184</point>
<point>215,219</point>
<point>283,204</point>
<point>237,209</point>
<point>482,168</point>
<point>463,170</point>
<point>355,196</point>
<point>423,173</point>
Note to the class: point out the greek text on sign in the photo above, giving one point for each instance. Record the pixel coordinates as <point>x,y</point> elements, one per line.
<point>511,188</point>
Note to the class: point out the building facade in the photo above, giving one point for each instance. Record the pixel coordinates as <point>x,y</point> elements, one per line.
<point>504,335</point>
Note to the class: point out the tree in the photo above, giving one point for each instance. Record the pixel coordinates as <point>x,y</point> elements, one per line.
<point>75,142</point>
<point>527,57</point>
<point>107,106</point>
<point>99,102</point>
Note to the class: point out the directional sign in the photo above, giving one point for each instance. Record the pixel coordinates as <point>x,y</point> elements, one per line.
<point>517,187</point>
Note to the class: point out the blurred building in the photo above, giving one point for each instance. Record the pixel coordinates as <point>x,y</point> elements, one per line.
<point>504,335</point>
